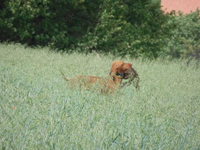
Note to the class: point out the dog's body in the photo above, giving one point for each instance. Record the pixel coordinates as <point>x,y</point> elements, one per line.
<point>129,72</point>
<point>119,70</point>
<point>105,85</point>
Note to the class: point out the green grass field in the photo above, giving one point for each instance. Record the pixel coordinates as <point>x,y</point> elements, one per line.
<point>38,111</point>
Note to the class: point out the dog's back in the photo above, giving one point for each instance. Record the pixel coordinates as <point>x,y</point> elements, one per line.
<point>105,85</point>
<point>86,81</point>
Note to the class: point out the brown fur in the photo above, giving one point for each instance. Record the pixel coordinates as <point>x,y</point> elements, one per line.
<point>105,85</point>
<point>129,72</point>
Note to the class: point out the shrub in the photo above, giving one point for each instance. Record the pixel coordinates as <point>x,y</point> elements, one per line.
<point>58,23</point>
<point>185,35</point>
<point>128,28</point>
<point>123,27</point>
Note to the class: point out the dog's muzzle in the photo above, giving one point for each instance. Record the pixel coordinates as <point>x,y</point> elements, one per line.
<point>121,74</point>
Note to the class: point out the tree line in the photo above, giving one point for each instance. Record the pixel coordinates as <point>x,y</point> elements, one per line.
<point>121,27</point>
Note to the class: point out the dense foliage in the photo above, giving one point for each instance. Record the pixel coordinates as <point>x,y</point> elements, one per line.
<point>58,23</point>
<point>123,27</point>
<point>184,40</point>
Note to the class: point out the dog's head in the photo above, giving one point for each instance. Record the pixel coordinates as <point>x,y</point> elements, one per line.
<point>122,68</point>
<point>116,73</point>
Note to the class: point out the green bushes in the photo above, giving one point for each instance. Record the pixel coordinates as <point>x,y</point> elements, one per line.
<point>133,28</point>
<point>121,27</point>
<point>184,39</point>
<point>43,22</point>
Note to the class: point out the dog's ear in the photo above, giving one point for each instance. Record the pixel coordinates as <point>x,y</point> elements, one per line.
<point>115,70</point>
<point>130,65</point>
<point>126,66</point>
<point>115,64</point>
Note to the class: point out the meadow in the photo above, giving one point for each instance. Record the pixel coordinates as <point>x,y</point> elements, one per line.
<point>39,111</point>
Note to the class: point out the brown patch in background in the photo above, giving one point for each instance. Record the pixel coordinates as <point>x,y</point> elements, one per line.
<point>185,6</point>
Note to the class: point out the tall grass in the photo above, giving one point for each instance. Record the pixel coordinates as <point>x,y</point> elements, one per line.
<point>38,111</point>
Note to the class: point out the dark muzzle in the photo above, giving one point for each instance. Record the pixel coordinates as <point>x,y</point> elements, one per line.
<point>121,74</point>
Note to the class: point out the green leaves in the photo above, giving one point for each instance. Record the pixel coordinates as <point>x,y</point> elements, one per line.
<point>130,28</point>
<point>185,35</point>
<point>36,22</point>
<point>122,27</point>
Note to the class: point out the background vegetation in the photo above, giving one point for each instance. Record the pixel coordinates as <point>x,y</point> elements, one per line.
<point>122,27</point>
<point>38,111</point>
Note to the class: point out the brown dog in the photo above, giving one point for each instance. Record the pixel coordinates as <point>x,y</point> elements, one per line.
<point>127,71</point>
<point>105,85</point>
